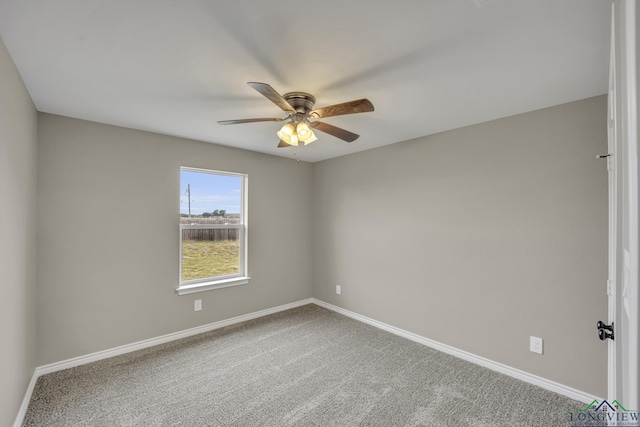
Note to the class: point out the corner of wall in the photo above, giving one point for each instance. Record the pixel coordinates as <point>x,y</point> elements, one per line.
<point>18,170</point>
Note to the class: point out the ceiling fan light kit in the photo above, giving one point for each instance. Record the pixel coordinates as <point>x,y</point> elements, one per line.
<point>298,106</point>
<point>293,134</point>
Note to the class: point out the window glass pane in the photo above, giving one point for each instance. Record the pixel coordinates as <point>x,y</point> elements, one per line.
<point>210,195</point>
<point>210,199</point>
<point>205,255</point>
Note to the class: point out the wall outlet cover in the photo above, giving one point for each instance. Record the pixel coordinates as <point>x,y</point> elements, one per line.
<point>535,345</point>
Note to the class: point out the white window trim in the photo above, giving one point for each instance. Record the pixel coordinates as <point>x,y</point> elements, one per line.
<point>242,278</point>
<point>216,284</point>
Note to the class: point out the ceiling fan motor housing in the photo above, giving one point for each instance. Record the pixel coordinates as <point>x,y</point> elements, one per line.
<point>302,102</point>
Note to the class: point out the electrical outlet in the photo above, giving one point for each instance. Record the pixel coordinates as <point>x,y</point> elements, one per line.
<point>338,289</point>
<point>535,345</point>
<point>197,305</point>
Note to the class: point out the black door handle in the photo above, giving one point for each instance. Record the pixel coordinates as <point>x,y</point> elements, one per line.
<point>605,331</point>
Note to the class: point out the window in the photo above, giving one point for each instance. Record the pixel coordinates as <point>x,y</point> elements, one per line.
<point>213,231</point>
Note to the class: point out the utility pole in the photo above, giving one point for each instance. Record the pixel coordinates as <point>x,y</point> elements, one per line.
<point>189,195</point>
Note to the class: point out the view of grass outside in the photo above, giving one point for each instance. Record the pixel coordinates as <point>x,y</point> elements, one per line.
<point>209,258</point>
<point>210,222</point>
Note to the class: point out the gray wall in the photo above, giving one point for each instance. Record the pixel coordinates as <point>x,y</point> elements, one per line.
<point>478,238</point>
<point>108,201</point>
<point>18,139</point>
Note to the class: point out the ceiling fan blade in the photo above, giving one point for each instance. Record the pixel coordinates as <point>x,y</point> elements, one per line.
<point>335,131</point>
<point>283,144</point>
<point>351,107</point>
<point>273,96</point>
<point>235,122</point>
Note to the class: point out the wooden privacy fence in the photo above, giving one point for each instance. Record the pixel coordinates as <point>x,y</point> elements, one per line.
<point>210,234</point>
<point>216,234</point>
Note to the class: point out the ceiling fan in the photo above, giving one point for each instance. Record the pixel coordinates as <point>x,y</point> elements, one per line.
<point>301,118</point>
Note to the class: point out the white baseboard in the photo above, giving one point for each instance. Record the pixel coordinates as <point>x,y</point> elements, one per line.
<point>561,389</point>
<point>128,348</point>
<point>25,401</point>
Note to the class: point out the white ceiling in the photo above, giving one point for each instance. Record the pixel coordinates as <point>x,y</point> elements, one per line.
<point>176,67</point>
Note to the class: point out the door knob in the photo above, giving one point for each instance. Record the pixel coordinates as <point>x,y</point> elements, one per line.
<point>605,331</point>
<point>603,335</point>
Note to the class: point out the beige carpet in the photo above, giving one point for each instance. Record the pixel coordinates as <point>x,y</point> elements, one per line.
<point>303,367</point>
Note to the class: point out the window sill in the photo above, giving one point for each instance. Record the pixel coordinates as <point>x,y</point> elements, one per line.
<point>207,286</point>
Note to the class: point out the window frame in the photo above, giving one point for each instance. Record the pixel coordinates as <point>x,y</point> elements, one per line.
<point>217,282</point>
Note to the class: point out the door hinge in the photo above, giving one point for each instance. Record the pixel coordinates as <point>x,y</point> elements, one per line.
<point>610,288</point>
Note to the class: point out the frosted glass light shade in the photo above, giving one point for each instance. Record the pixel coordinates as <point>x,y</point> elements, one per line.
<point>287,133</point>
<point>305,134</point>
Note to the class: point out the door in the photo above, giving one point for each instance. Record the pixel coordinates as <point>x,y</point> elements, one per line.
<point>625,251</point>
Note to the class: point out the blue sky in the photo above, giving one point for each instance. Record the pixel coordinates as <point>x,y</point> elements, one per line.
<point>209,192</point>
